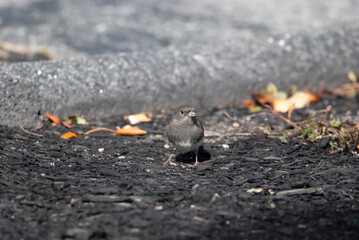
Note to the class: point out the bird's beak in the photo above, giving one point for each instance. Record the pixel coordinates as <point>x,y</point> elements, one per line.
<point>191,114</point>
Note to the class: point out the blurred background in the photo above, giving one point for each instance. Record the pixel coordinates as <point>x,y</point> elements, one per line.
<point>64,29</point>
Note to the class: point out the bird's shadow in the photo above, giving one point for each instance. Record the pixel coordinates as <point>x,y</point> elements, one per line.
<point>190,157</point>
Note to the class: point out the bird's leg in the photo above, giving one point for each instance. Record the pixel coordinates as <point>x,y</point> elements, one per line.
<point>169,159</point>
<point>196,163</point>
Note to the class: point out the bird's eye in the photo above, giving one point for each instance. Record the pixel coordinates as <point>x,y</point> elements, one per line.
<point>182,112</point>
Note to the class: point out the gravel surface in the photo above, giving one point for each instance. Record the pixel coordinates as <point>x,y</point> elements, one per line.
<point>101,186</point>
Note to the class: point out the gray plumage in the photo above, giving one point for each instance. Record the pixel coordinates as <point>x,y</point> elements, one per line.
<point>185,131</point>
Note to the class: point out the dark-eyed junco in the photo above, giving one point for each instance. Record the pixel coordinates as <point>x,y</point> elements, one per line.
<point>185,131</point>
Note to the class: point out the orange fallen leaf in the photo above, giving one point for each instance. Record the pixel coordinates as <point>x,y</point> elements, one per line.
<point>312,97</point>
<point>251,106</point>
<point>263,97</point>
<point>69,135</point>
<point>138,118</point>
<point>248,104</point>
<point>126,130</point>
<point>54,119</point>
<point>130,131</point>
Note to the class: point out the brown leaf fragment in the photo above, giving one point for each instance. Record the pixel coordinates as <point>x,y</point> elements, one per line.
<point>130,131</point>
<point>67,123</point>
<point>55,120</point>
<point>138,118</point>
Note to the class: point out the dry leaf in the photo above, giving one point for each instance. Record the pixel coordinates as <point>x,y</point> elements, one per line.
<point>67,123</point>
<point>293,89</point>
<point>352,77</point>
<point>271,87</point>
<point>255,190</point>
<point>268,95</point>
<point>347,90</point>
<point>69,135</point>
<point>312,97</point>
<point>130,131</point>
<point>300,100</point>
<point>279,101</point>
<point>139,117</point>
<point>54,119</point>
<point>264,97</point>
<point>248,104</point>
<point>126,130</point>
<point>282,105</point>
<point>79,120</point>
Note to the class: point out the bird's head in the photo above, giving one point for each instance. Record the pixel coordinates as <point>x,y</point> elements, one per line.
<point>184,112</point>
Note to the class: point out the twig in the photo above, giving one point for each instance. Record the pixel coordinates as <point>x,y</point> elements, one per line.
<point>325,111</point>
<point>337,133</point>
<point>104,198</point>
<point>290,122</point>
<point>35,134</point>
<point>99,129</point>
<point>210,135</point>
<point>317,190</point>
<point>229,116</point>
<point>290,113</point>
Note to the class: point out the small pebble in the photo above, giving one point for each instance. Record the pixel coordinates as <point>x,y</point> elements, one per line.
<point>101,150</point>
<point>225,146</point>
<point>159,208</point>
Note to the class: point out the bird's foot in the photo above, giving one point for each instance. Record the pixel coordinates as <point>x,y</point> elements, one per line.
<point>169,159</point>
<point>196,163</point>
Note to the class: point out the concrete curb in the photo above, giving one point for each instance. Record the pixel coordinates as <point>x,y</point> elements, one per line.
<point>204,75</point>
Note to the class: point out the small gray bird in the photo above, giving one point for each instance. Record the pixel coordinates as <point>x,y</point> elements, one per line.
<point>185,132</point>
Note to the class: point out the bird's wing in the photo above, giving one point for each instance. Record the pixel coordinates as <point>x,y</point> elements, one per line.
<point>171,134</point>
<point>197,131</point>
